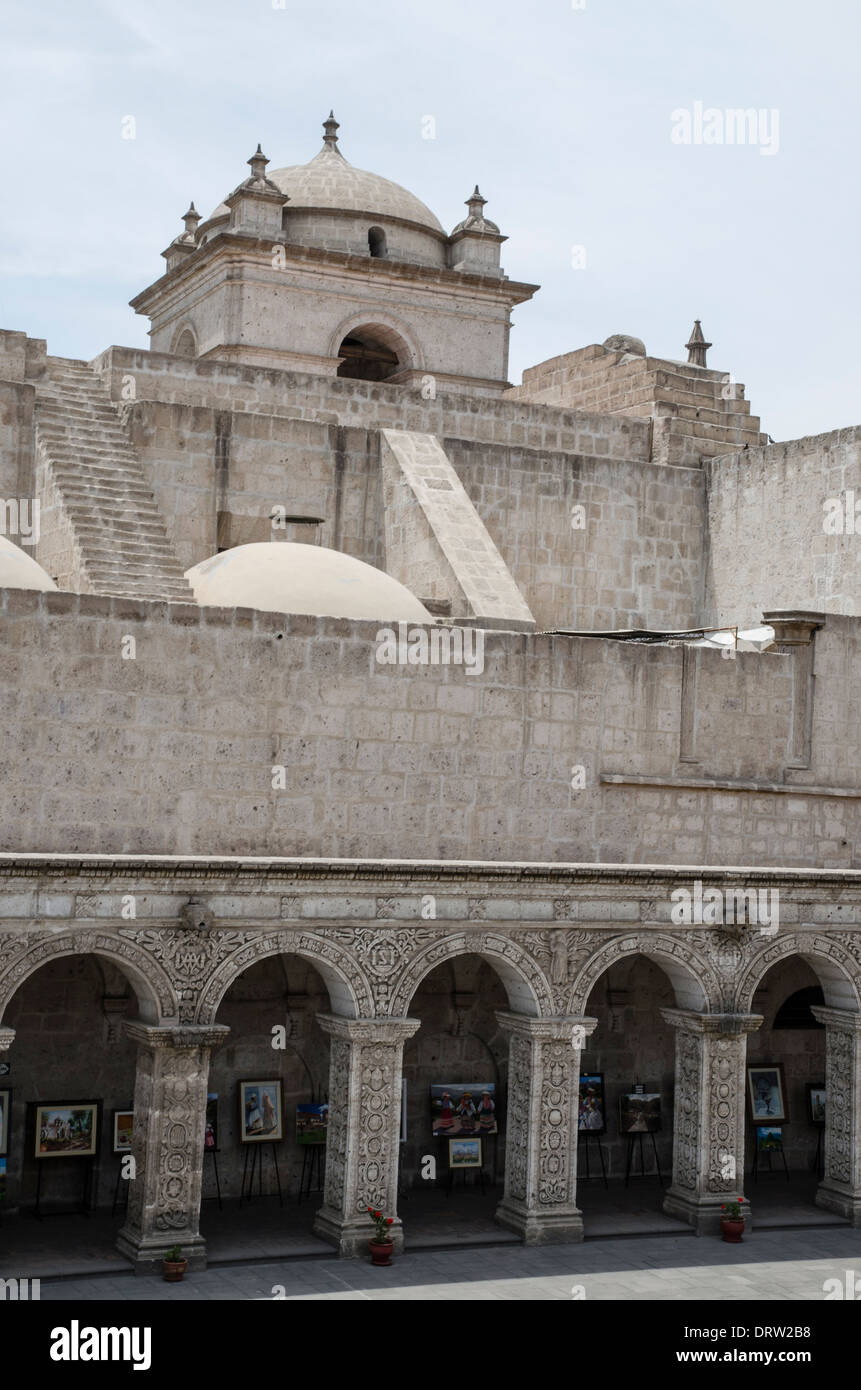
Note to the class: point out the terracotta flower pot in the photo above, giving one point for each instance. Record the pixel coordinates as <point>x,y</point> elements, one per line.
<point>731,1228</point>
<point>173,1270</point>
<point>381,1251</point>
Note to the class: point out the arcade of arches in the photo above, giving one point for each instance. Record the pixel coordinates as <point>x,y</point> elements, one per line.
<point>157,1019</point>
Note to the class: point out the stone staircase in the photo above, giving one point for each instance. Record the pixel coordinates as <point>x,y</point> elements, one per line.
<point>118,529</point>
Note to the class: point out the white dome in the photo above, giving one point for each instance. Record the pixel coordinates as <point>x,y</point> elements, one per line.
<point>18,570</point>
<point>286,577</point>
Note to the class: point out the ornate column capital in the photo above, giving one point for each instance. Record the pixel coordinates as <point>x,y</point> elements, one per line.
<point>843,1020</point>
<point>7,1037</point>
<point>175,1035</point>
<point>571,1028</point>
<point>720,1025</point>
<point>369,1030</point>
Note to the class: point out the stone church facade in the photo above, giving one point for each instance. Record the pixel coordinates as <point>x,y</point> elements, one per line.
<point>224,813</point>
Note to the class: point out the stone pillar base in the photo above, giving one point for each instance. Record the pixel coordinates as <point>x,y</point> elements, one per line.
<point>551,1228</point>
<point>843,1203</point>
<point>702,1214</point>
<point>350,1237</point>
<point>147,1252</point>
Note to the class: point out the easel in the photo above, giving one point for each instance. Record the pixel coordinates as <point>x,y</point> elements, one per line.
<point>313,1167</point>
<point>583,1137</point>
<point>632,1140</point>
<point>217,1197</point>
<point>83,1209</point>
<point>769,1152</point>
<point>117,1189</point>
<point>256,1165</point>
<point>464,1171</point>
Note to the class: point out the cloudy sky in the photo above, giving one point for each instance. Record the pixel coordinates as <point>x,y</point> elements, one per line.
<point>563,112</point>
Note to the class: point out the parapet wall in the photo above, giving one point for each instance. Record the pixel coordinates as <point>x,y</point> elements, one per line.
<point>178,748</point>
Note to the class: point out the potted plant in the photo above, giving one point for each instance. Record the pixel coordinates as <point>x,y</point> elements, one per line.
<point>732,1220</point>
<point>173,1266</point>
<point>381,1244</point>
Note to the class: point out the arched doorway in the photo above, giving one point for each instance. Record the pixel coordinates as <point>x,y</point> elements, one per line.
<point>372,352</point>
<point>270,1078</point>
<point>627,1092</point>
<point>67,1102</point>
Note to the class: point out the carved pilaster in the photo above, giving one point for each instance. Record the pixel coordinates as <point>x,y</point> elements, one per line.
<point>167,1143</point>
<point>366,1065</point>
<point>540,1200</point>
<point>708,1124</point>
<point>840,1189</point>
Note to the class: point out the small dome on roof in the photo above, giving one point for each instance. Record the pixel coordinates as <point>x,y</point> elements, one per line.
<point>18,570</point>
<point>288,577</point>
<point>329,181</point>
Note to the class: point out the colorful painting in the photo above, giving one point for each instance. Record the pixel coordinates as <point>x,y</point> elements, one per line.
<point>463,1108</point>
<point>640,1114</point>
<point>210,1133</point>
<point>5,1119</point>
<point>67,1130</point>
<point>464,1153</point>
<point>592,1116</point>
<point>261,1116</point>
<point>311,1123</point>
<point>815,1103</point>
<point>766,1091</point>
<point>769,1138</point>
<point>123,1131</point>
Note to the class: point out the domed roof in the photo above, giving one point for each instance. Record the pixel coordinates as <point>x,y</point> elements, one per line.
<point>288,577</point>
<point>329,181</point>
<point>18,570</point>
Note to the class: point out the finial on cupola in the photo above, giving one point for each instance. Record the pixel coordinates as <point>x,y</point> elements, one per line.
<point>475,204</point>
<point>331,128</point>
<point>697,346</point>
<point>191,219</point>
<point>258,162</point>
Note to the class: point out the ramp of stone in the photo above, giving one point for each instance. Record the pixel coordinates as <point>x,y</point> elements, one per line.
<point>436,542</point>
<point>118,531</point>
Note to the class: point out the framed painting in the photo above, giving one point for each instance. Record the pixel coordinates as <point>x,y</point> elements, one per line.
<point>592,1116</point>
<point>769,1138</point>
<point>463,1108</point>
<point>261,1115</point>
<point>311,1122</point>
<point>815,1103</point>
<point>5,1120</point>
<point>123,1120</point>
<point>766,1093</point>
<point>464,1153</point>
<point>210,1132</point>
<point>67,1129</point>
<point>640,1114</point>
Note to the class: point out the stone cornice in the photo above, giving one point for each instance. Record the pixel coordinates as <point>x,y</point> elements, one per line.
<point>234,245</point>
<point>561,1029</point>
<point>175,1035</point>
<point>194,868</point>
<point>723,1025</point>
<point>369,1030</point>
<point>843,1020</point>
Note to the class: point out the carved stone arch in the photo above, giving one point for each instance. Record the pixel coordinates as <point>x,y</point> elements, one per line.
<point>692,976</point>
<point>349,989</point>
<point>157,1000</point>
<point>185,341</point>
<point>835,966</point>
<point>526,985</point>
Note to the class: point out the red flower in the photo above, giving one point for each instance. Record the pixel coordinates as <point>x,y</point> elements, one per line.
<point>371,1210</point>
<point>389,1220</point>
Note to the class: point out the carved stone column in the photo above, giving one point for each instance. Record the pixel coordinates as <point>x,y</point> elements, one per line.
<point>840,1189</point>
<point>362,1145</point>
<point>167,1143</point>
<point>7,1037</point>
<point>708,1129</point>
<point>540,1200</point>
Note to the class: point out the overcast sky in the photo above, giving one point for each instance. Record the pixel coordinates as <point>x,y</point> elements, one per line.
<point>564,115</point>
